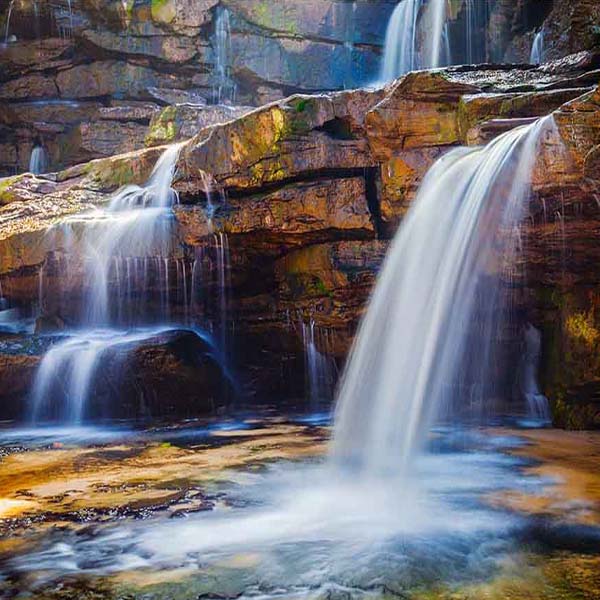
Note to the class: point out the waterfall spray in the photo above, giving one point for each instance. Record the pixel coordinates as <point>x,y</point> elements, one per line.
<point>407,362</point>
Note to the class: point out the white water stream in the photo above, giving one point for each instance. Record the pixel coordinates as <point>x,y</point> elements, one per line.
<point>441,273</point>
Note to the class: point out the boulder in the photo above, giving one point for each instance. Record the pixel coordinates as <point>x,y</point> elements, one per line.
<point>300,135</point>
<point>174,373</point>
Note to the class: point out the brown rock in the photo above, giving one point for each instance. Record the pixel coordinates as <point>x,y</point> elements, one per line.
<point>299,135</point>
<point>106,138</point>
<point>173,49</point>
<point>183,121</point>
<point>105,78</point>
<point>129,111</point>
<point>294,214</point>
<point>29,86</point>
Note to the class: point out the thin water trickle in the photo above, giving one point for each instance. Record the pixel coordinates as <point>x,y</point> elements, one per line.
<point>8,16</point>
<point>537,403</point>
<point>319,368</point>
<point>38,162</point>
<point>224,89</point>
<point>414,351</point>
<point>537,48</point>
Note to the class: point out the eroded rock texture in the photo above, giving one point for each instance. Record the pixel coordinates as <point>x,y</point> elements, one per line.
<point>86,78</point>
<point>304,194</point>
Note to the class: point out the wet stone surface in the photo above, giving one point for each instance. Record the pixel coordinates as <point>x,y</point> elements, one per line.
<point>248,507</point>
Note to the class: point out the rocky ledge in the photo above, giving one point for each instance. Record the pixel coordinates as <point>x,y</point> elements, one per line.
<point>309,189</point>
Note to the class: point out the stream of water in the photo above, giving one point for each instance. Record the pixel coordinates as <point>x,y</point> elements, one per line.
<point>443,271</point>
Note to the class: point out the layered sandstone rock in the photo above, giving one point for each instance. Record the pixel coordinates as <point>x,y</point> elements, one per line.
<point>308,189</point>
<point>246,52</point>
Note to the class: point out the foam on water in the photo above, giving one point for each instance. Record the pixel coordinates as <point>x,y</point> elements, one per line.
<point>414,354</point>
<point>306,526</point>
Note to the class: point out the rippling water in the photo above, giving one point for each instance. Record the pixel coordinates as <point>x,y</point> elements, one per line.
<point>295,528</point>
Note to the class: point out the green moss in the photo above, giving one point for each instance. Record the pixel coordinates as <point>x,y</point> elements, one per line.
<point>7,195</point>
<point>301,105</point>
<point>581,327</point>
<point>271,15</point>
<point>164,128</point>
<point>162,10</point>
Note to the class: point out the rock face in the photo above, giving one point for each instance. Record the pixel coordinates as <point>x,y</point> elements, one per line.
<point>174,373</point>
<point>286,211</point>
<point>67,65</point>
<point>74,74</point>
<point>182,121</point>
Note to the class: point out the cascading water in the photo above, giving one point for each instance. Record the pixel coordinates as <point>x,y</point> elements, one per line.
<point>441,274</point>
<point>436,51</point>
<point>224,88</point>
<point>126,248</point>
<point>537,403</point>
<point>319,369</point>
<point>38,161</point>
<point>400,50</point>
<point>418,36</point>
<point>537,48</point>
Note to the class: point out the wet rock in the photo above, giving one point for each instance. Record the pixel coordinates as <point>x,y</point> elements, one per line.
<point>49,323</point>
<point>174,49</point>
<point>568,27</point>
<point>30,205</point>
<point>183,121</point>
<point>177,96</point>
<point>294,214</point>
<point>303,134</point>
<point>480,108</point>
<point>106,138</point>
<point>107,78</point>
<point>29,86</point>
<point>129,111</point>
<point>16,374</point>
<point>331,283</point>
<point>18,56</point>
<point>175,373</point>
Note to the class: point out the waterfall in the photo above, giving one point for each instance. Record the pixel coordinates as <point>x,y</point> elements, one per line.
<point>440,281</point>
<point>125,251</point>
<point>223,88</point>
<point>7,30</point>
<point>537,403</point>
<point>319,369</point>
<point>400,50</point>
<point>418,36</point>
<point>38,161</point>
<point>537,48</point>
<point>437,44</point>
<point>224,286</point>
